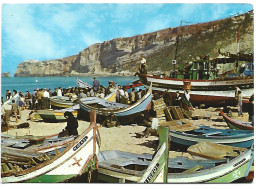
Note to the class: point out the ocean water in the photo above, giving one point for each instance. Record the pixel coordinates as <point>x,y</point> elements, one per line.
<point>23,84</point>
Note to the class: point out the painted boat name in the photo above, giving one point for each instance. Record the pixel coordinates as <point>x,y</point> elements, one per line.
<point>80,143</point>
<point>241,161</point>
<point>150,176</point>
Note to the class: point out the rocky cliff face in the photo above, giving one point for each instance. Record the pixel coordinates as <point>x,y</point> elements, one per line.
<point>5,74</point>
<point>159,48</point>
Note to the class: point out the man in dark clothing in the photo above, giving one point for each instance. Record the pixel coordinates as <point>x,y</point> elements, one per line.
<point>251,109</point>
<point>95,84</point>
<point>168,98</point>
<point>72,123</point>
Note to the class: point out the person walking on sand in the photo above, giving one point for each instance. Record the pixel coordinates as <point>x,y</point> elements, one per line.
<point>72,123</point>
<point>14,110</point>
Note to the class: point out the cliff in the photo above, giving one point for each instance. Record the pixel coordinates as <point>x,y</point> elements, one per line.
<point>5,74</point>
<point>122,55</point>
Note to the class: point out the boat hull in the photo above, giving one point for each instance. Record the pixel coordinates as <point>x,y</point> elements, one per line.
<point>74,161</point>
<point>243,141</point>
<point>198,85</point>
<point>50,115</point>
<point>209,92</point>
<point>233,124</point>
<point>233,170</point>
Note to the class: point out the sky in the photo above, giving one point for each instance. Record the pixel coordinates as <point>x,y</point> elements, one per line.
<point>50,30</point>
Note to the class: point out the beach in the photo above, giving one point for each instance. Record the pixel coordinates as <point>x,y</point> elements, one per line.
<point>121,138</point>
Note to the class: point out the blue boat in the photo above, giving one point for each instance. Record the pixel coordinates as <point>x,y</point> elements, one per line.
<point>105,108</point>
<point>238,138</point>
<point>118,166</point>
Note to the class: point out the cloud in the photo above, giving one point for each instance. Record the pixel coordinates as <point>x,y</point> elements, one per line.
<point>157,23</point>
<point>22,37</point>
<point>90,38</point>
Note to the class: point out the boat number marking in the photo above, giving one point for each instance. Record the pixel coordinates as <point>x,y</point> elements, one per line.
<point>76,161</point>
<point>80,143</point>
<point>241,161</point>
<point>150,176</point>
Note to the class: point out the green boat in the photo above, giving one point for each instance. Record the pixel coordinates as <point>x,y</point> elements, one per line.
<point>153,172</point>
<point>61,165</point>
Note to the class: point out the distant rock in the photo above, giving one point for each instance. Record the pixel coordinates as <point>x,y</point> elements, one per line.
<point>5,74</point>
<point>123,55</point>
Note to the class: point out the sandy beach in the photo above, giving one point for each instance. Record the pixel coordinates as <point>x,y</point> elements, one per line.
<point>121,138</point>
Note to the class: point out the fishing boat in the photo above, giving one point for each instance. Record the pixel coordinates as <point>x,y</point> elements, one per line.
<point>207,87</point>
<point>82,84</point>
<point>187,137</point>
<point>78,158</point>
<point>62,101</point>
<point>118,166</point>
<point>105,108</point>
<point>235,124</point>
<point>133,84</point>
<point>115,166</point>
<point>202,96</point>
<point>58,115</point>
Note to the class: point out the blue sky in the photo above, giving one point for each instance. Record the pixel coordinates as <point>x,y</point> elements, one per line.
<point>50,31</point>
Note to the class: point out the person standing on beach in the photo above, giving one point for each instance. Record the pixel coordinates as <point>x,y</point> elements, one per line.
<point>72,123</point>
<point>96,84</point>
<point>59,92</point>
<point>28,100</point>
<point>132,96</point>
<point>55,92</point>
<point>8,95</point>
<point>251,109</point>
<point>142,68</point>
<point>14,110</point>
<point>239,103</point>
<point>46,97</point>
<point>39,97</point>
<point>168,98</point>
<point>34,99</point>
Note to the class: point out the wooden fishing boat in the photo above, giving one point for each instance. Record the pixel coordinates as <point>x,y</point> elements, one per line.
<point>58,115</point>
<point>79,157</point>
<point>229,137</point>
<point>105,108</point>
<point>115,166</point>
<point>118,166</point>
<point>209,92</point>
<point>234,168</point>
<point>133,84</point>
<point>235,124</point>
<point>82,84</point>
<point>62,102</point>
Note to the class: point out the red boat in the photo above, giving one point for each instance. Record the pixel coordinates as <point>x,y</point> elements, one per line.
<point>234,124</point>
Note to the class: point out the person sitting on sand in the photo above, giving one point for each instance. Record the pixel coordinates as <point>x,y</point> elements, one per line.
<point>72,123</point>
<point>153,130</point>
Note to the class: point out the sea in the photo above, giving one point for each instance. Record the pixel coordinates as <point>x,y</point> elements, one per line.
<point>23,84</point>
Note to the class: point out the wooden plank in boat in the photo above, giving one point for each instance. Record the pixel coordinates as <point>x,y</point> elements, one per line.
<point>214,151</point>
<point>177,112</point>
<point>168,114</point>
<point>158,101</point>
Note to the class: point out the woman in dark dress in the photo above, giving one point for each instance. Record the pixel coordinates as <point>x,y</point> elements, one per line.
<point>72,123</point>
